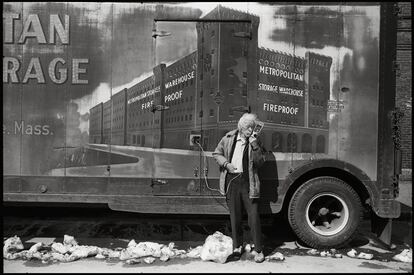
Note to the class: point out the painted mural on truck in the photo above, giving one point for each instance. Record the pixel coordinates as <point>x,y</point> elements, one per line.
<point>87,86</point>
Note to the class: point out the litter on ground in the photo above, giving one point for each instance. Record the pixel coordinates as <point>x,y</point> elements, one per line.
<point>405,256</point>
<point>352,253</point>
<point>367,256</point>
<point>277,256</point>
<point>217,247</point>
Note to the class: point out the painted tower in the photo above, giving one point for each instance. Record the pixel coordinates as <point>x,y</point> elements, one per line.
<point>226,70</point>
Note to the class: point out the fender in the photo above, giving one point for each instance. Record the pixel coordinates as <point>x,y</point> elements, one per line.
<point>327,167</point>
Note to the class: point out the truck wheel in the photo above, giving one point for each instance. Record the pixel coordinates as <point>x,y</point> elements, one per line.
<point>325,212</point>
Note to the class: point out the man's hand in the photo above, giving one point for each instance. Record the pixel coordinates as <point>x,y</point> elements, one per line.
<point>252,138</point>
<point>230,168</point>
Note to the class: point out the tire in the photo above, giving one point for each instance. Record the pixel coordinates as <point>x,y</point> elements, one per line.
<point>325,212</point>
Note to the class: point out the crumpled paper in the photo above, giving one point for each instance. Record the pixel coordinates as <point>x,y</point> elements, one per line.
<point>133,261</point>
<point>405,256</point>
<point>70,250</point>
<point>149,260</point>
<point>69,240</point>
<point>11,246</point>
<point>149,249</point>
<point>217,248</point>
<point>36,247</point>
<point>352,253</point>
<point>362,255</point>
<point>194,252</point>
<point>59,248</point>
<point>277,256</point>
<point>366,256</point>
<point>67,252</point>
<point>84,251</point>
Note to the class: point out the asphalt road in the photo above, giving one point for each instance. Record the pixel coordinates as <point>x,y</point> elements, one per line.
<point>113,230</point>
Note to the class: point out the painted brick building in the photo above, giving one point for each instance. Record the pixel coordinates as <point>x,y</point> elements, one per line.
<point>95,124</point>
<point>208,90</point>
<point>220,87</point>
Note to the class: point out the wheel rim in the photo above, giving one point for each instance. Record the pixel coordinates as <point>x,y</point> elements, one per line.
<point>327,214</point>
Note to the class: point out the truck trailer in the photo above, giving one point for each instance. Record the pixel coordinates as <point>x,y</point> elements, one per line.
<point>122,104</point>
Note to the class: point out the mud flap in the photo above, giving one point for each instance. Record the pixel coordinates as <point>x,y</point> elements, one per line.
<point>382,227</point>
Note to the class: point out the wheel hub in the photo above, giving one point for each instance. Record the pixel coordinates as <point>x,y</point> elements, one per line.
<point>327,214</point>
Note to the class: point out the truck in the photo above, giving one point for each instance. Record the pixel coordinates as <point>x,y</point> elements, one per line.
<point>122,104</point>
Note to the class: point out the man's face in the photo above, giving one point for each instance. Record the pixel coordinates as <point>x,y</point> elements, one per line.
<point>247,131</point>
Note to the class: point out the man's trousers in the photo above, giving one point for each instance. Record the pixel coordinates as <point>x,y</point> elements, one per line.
<point>237,198</point>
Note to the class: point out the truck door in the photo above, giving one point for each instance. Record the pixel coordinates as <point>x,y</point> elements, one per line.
<point>86,114</point>
<point>129,118</point>
<point>175,129</point>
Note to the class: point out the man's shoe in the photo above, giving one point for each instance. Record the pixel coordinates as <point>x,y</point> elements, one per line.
<point>236,255</point>
<point>258,256</point>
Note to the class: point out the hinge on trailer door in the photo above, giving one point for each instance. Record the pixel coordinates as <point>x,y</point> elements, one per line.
<point>243,35</point>
<point>158,182</point>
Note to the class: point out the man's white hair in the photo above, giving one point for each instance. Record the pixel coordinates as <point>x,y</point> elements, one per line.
<point>247,120</point>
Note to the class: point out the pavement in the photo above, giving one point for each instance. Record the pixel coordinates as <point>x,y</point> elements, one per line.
<point>297,257</point>
<point>292,264</point>
<point>87,230</point>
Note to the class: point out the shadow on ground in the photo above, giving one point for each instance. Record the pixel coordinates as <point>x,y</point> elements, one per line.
<point>120,227</point>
